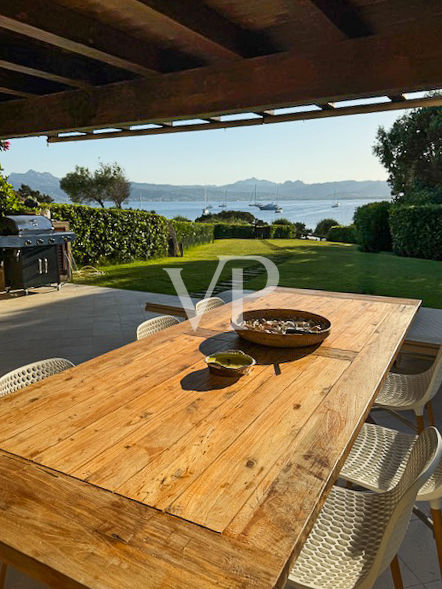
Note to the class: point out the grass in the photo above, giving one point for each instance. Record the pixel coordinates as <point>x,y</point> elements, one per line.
<point>301,264</point>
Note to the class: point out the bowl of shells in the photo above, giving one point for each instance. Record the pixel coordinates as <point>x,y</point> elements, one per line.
<point>282,328</point>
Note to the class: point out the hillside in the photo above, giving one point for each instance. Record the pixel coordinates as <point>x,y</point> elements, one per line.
<point>240,190</point>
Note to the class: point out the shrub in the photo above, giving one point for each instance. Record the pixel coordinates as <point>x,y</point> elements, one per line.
<point>234,231</point>
<point>417,230</point>
<point>189,233</point>
<point>231,217</point>
<point>181,218</point>
<point>342,233</point>
<point>113,234</point>
<point>372,226</point>
<point>281,221</point>
<point>282,231</point>
<point>323,226</point>
<point>10,204</point>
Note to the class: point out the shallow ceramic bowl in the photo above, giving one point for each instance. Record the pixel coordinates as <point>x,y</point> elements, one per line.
<point>230,363</point>
<point>278,340</point>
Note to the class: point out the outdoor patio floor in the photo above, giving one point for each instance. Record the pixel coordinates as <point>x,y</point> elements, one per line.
<point>80,322</point>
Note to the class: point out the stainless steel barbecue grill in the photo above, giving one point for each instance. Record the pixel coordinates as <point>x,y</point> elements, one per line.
<point>30,249</point>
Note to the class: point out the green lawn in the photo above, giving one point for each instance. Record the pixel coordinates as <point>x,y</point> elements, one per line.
<point>302,264</point>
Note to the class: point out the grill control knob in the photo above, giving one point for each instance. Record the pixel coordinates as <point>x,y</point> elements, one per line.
<point>51,240</point>
<point>40,241</point>
<point>28,242</point>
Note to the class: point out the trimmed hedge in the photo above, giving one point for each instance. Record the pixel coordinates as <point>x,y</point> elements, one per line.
<point>372,226</point>
<point>233,231</point>
<point>342,233</point>
<point>117,235</point>
<point>190,234</point>
<point>417,230</point>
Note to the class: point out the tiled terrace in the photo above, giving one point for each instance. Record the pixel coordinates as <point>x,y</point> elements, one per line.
<point>81,322</point>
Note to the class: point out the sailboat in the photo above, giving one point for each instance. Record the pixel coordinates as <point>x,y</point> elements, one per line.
<point>337,203</point>
<point>272,206</point>
<point>222,205</point>
<point>254,203</point>
<point>206,208</point>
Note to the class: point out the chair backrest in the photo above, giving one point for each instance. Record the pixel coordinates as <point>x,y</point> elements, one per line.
<point>434,374</point>
<point>396,505</point>
<point>26,375</point>
<point>155,325</point>
<point>208,304</point>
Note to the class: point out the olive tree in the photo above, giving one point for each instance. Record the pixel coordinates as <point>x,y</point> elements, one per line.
<point>107,183</point>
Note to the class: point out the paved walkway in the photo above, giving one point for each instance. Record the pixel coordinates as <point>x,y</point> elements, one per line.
<point>81,322</point>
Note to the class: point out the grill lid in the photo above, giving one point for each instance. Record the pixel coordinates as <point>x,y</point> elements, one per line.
<point>25,225</point>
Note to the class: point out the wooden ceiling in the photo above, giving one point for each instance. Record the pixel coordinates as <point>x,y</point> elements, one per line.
<point>88,69</point>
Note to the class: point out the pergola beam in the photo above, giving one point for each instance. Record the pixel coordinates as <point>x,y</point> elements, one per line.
<point>350,69</point>
<point>344,17</point>
<point>69,30</point>
<point>200,19</point>
<point>282,118</point>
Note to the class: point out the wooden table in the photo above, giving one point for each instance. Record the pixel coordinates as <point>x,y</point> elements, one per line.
<point>138,469</point>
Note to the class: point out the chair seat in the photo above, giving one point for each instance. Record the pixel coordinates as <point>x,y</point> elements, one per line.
<point>378,458</point>
<point>343,543</point>
<point>403,391</point>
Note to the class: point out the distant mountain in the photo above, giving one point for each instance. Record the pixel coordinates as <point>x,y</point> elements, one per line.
<point>42,181</point>
<point>240,190</point>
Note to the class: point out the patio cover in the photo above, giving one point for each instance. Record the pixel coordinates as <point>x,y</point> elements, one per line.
<point>89,69</point>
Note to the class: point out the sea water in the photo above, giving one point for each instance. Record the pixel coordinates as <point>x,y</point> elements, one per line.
<point>309,211</point>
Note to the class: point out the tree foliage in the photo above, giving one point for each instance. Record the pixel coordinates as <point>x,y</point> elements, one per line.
<point>9,202</point>
<point>25,192</point>
<point>107,183</point>
<point>228,217</point>
<point>322,228</point>
<point>411,151</point>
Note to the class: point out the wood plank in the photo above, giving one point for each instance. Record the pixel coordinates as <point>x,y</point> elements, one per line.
<point>143,450</point>
<point>168,310</point>
<point>69,30</point>
<point>353,68</point>
<point>225,486</point>
<point>283,513</point>
<point>88,537</point>
<point>162,479</point>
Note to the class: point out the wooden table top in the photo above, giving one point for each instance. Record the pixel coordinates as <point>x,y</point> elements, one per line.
<point>140,469</point>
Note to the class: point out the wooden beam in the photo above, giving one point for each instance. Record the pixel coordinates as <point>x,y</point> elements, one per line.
<point>30,71</point>
<point>284,118</point>
<point>204,22</point>
<point>350,69</point>
<point>17,93</point>
<point>69,30</point>
<point>344,17</point>
<point>22,85</point>
<point>397,98</point>
<point>36,59</point>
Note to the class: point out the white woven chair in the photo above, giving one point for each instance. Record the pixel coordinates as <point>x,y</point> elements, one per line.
<point>377,460</point>
<point>208,304</point>
<point>357,534</point>
<point>26,375</point>
<point>155,325</point>
<point>19,379</point>
<point>402,392</point>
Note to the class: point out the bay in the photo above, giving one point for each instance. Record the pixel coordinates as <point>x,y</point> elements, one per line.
<point>308,211</point>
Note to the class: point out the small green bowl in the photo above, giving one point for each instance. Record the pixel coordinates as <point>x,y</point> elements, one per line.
<point>230,363</point>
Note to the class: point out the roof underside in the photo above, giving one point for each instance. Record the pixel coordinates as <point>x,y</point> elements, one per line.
<point>89,69</point>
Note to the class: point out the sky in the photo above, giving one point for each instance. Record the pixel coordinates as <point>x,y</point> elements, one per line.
<point>322,150</point>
